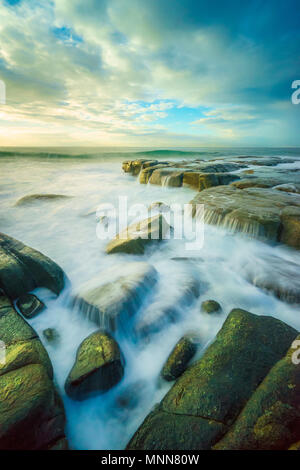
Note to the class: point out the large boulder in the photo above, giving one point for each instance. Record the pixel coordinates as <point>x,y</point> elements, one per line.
<point>31,412</point>
<point>135,238</point>
<point>169,176</point>
<point>111,304</point>
<point>22,269</point>
<point>271,418</point>
<point>266,214</point>
<point>201,181</point>
<point>29,305</point>
<point>99,365</point>
<point>206,400</point>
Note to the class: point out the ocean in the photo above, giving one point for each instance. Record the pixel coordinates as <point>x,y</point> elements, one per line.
<point>65,230</point>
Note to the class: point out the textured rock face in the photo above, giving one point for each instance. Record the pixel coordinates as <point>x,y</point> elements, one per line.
<point>266,214</point>
<point>99,365</point>
<point>22,269</point>
<point>31,412</point>
<point>110,305</point>
<point>211,306</point>
<point>179,357</point>
<point>207,399</point>
<point>135,238</point>
<point>271,418</point>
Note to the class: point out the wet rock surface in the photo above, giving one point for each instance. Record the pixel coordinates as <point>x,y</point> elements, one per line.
<point>22,269</point>
<point>179,357</point>
<point>32,198</point>
<point>210,395</point>
<point>211,306</point>
<point>31,412</point>
<point>29,305</point>
<point>99,365</point>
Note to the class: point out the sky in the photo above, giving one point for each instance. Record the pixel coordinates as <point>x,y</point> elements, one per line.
<point>160,73</point>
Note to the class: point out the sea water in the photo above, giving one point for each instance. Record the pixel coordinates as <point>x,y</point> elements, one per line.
<point>65,230</point>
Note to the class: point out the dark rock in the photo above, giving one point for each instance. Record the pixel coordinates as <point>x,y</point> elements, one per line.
<point>99,366</point>
<point>179,357</point>
<point>211,393</point>
<point>29,305</point>
<point>271,417</point>
<point>22,269</point>
<point>211,306</point>
<point>51,335</point>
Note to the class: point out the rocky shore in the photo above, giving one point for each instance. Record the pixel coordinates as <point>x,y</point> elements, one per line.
<point>242,391</point>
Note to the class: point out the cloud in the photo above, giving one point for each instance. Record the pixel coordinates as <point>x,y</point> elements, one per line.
<point>101,72</point>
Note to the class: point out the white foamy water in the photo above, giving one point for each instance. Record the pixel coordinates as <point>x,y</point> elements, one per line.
<point>65,230</point>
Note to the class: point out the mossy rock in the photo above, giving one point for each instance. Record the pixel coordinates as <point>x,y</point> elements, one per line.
<point>214,390</point>
<point>271,418</point>
<point>211,306</point>
<point>290,218</point>
<point>99,366</point>
<point>135,238</point>
<point>31,415</point>
<point>29,305</point>
<point>179,357</point>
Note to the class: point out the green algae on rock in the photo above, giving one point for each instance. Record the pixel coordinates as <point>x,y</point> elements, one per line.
<point>211,306</point>
<point>29,305</point>
<point>179,357</point>
<point>99,365</point>
<point>208,397</point>
<point>31,412</point>
<point>135,238</point>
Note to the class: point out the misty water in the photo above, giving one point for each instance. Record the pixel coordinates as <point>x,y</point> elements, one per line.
<point>65,230</point>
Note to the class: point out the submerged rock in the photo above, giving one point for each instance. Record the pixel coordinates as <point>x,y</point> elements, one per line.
<point>110,305</point>
<point>31,412</point>
<point>261,213</point>
<point>31,198</point>
<point>209,396</point>
<point>135,238</point>
<point>51,335</point>
<point>211,306</point>
<point>271,417</point>
<point>179,357</point>
<point>99,366</point>
<point>159,207</point>
<point>29,305</point>
<point>22,269</point>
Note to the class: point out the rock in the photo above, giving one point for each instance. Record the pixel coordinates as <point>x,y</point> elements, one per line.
<point>99,366</point>
<point>271,418</point>
<point>29,305</point>
<point>266,214</point>
<point>31,198</point>
<point>167,177</point>
<point>179,357</point>
<point>288,187</point>
<point>211,306</point>
<point>290,219</point>
<point>134,166</point>
<point>110,305</point>
<point>276,275</point>
<point>209,396</point>
<point>22,269</point>
<point>135,238</point>
<point>31,412</point>
<point>201,181</point>
<point>51,335</point>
